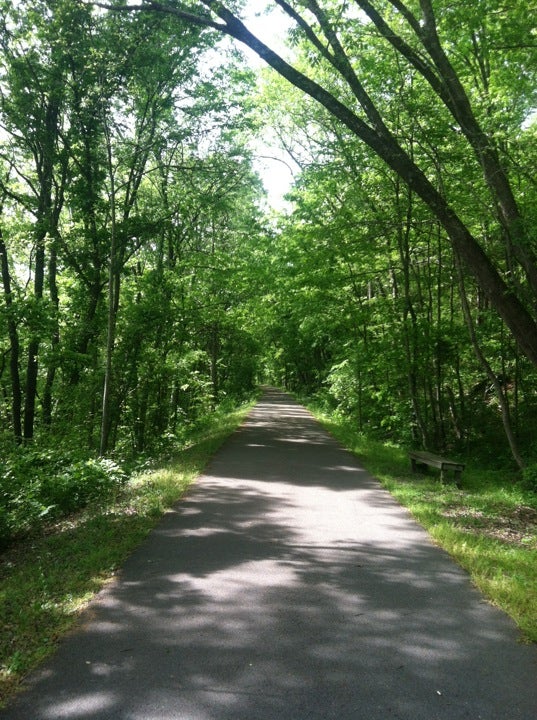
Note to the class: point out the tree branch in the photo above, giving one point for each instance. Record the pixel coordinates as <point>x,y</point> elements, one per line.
<point>204,21</point>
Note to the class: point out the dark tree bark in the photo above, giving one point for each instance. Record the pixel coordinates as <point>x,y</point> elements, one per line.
<point>113,304</point>
<point>14,349</point>
<point>443,79</point>
<point>48,211</point>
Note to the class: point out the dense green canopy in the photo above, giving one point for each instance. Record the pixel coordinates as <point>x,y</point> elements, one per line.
<point>145,279</point>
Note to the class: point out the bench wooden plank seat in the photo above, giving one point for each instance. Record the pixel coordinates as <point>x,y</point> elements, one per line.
<point>422,457</point>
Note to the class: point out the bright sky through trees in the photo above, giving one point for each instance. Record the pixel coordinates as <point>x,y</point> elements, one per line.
<point>273,164</point>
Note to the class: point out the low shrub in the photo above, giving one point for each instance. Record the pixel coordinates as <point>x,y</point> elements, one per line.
<point>41,485</point>
<point>529,478</point>
<point>81,483</point>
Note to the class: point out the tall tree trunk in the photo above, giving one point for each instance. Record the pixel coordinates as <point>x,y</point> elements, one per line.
<point>33,345</point>
<point>55,339</point>
<point>46,222</point>
<point>214,347</point>
<point>14,349</point>
<point>113,304</point>
<point>409,318</point>
<point>113,295</point>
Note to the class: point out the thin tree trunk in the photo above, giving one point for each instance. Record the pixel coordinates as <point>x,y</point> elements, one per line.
<point>33,345</point>
<point>214,344</point>
<point>500,394</point>
<point>46,224</point>
<point>14,350</point>
<point>113,302</point>
<point>55,340</point>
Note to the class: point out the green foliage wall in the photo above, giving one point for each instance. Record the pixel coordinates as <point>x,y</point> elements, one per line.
<point>142,283</point>
<point>126,194</point>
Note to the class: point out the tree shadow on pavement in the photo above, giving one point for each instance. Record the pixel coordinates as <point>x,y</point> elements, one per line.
<point>287,585</point>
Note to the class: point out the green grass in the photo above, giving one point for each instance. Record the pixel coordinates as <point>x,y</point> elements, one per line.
<point>489,525</point>
<point>46,580</point>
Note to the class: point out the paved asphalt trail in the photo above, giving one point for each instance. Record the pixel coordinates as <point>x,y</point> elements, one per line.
<point>287,586</point>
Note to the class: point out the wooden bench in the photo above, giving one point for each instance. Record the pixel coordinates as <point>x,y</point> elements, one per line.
<point>421,457</point>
